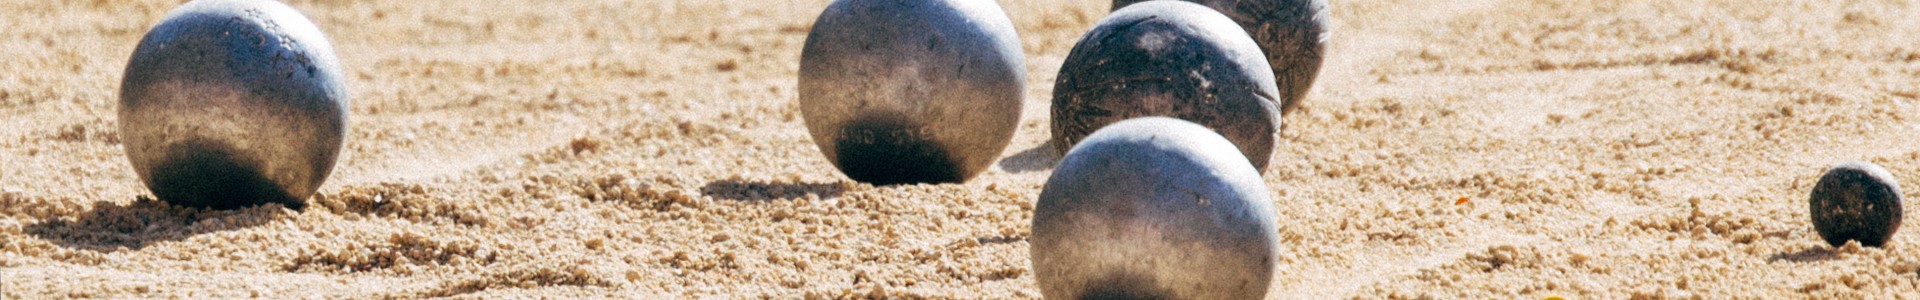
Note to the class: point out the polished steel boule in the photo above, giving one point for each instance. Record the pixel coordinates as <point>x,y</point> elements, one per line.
<point>1154,208</point>
<point>233,103</point>
<point>913,91</point>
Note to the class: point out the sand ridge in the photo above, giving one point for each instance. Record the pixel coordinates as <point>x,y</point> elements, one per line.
<point>521,149</point>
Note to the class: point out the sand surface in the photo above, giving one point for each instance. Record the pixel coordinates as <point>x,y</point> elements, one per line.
<point>1604,149</point>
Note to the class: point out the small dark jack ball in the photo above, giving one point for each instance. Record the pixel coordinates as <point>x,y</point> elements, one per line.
<point>1856,201</point>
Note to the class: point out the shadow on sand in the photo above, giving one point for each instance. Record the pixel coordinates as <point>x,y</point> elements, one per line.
<point>742,190</point>
<point>1808,255</point>
<point>1033,159</point>
<point>108,227</point>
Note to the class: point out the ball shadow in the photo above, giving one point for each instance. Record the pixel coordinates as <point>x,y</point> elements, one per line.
<point>1807,255</point>
<point>742,190</point>
<point>108,227</point>
<point>998,239</point>
<point>1040,157</point>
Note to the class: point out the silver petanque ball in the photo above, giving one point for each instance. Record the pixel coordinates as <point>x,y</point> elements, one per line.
<point>1292,34</point>
<point>1856,201</point>
<point>233,103</point>
<point>919,91</point>
<point>1172,59</point>
<point>1154,208</point>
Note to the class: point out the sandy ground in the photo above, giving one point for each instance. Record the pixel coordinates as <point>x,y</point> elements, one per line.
<point>1604,148</point>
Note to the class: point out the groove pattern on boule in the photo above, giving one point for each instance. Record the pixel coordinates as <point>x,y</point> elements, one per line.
<point>1154,208</point>
<point>897,92</point>
<point>1291,33</point>
<point>1856,201</point>
<point>233,103</point>
<point>1173,59</point>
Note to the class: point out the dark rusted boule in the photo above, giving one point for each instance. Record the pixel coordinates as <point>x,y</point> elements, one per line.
<point>1173,59</point>
<point>1292,34</point>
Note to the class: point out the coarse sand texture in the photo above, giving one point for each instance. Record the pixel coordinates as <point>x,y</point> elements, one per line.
<point>658,149</point>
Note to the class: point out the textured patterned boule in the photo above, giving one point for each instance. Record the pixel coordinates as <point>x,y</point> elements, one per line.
<point>1173,59</point>
<point>1292,34</point>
